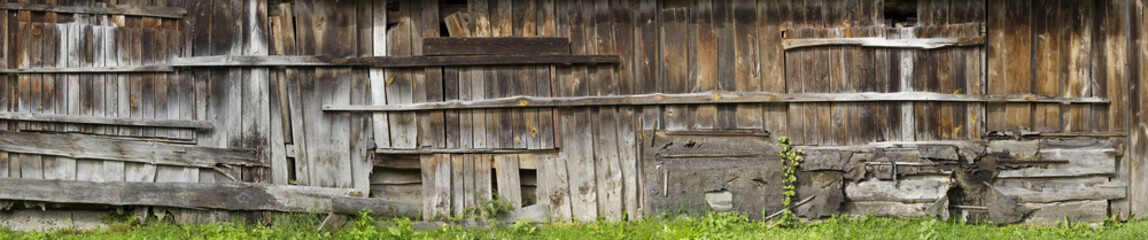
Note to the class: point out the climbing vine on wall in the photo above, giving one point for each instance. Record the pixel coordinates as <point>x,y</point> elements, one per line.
<point>790,159</point>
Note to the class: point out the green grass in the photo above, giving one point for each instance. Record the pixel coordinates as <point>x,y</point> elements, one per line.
<point>712,226</point>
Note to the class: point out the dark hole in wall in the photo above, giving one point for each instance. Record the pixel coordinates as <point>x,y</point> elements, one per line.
<point>903,12</point>
<point>291,170</point>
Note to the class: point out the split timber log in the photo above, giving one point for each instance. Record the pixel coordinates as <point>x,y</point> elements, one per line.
<point>711,97</point>
<point>135,122</point>
<point>220,195</point>
<point>97,148</point>
<point>918,43</point>
<point>143,11</point>
<point>377,207</point>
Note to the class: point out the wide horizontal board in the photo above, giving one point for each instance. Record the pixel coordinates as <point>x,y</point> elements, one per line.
<point>420,151</point>
<point>135,122</point>
<point>1083,162</point>
<point>389,61</point>
<point>220,195</point>
<point>495,46</point>
<point>1059,190</point>
<point>98,148</point>
<point>145,11</point>
<point>712,97</point>
<point>918,43</point>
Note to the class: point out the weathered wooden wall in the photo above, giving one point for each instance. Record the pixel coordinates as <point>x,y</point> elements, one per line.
<point>142,73</point>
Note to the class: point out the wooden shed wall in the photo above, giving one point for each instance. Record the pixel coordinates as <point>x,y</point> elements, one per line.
<point>275,117</point>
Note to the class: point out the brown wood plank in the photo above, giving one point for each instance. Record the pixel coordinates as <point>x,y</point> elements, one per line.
<point>1138,146</point>
<point>554,189</point>
<point>1079,81</point>
<point>483,188</point>
<point>773,17</point>
<point>78,146</point>
<point>649,59</point>
<point>674,23</point>
<point>547,118</point>
<point>495,46</point>
<point>703,61</point>
<point>480,16</point>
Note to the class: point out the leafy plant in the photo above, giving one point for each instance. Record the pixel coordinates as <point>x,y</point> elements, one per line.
<point>791,159</point>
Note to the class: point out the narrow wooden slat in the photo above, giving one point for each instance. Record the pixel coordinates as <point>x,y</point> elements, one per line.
<point>495,46</point>
<point>918,43</point>
<point>718,97</point>
<point>390,61</point>
<point>127,10</point>
<point>554,188</point>
<point>82,147</point>
<point>460,151</point>
<point>1063,189</point>
<point>182,195</point>
<point>57,118</point>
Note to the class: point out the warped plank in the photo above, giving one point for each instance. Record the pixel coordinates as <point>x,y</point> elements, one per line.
<point>917,43</point>
<point>127,10</point>
<point>714,97</point>
<point>226,196</point>
<point>922,189</point>
<point>495,46</point>
<point>139,122</point>
<point>84,147</point>
<point>1083,162</point>
<point>388,61</point>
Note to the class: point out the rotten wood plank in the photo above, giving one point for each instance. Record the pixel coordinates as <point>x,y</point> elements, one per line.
<point>915,43</point>
<point>126,10</point>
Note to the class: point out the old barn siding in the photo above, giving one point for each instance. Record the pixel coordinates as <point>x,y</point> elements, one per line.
<point>397,99</point>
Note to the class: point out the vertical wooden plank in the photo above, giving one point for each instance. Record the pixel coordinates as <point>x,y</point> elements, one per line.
<point>431,81</point>
<point>674,24</point>
<point>1079,80</point>
<point>1017,52</point>
<point>773,17</point>
<point>458,182</point>
<point>509,186</point>
<point>553,177</point>
<point>647,43</point>
<point>747,61</point>
<point>1138,80</point>
<point>380,121</point>
<point>576,141</point>
<point>362,154</point>
<point>1115,37</point>
<point>480,17</point>
<point>526,25</point>
<point>1047,63</point>
<point>483,189</point>
<point>400,82</point>
<point>703,64</point>
<point>329,149</point>
<point>626,141</point>
<point>436,179</point>
<point>607,165</point>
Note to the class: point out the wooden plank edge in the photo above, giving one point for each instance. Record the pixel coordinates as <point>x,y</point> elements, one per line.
<point>140,122</point>
<point>712,97</point>
<point>460,151</point>
<point>123,69</point>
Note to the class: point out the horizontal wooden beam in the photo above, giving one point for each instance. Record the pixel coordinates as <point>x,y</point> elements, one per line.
<point>377,207</point>
<point>135,122</point>
<point>420,151</point>
<point>220,195</point>
<point>98,148</point>
<point>711,98</point>
<point>919,43</point>
<point>76,70</point>
<point>390,61</point>
<point>126,10</point>
<point>495,46</point>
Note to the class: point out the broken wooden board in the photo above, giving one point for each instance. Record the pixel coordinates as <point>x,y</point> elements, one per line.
<point>697,174</point>
<point>220,195</point>
<point>495,46</point>
<point>389,61</point>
